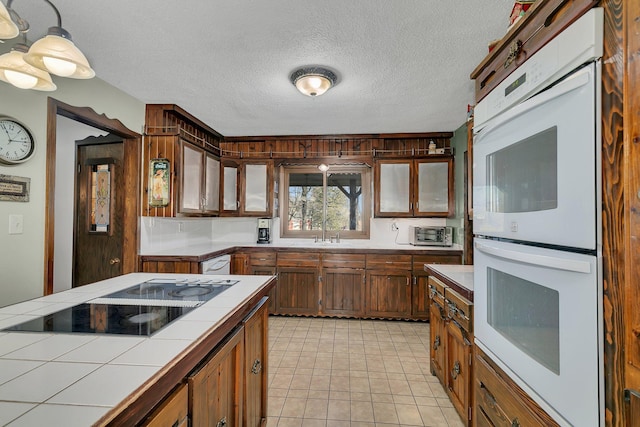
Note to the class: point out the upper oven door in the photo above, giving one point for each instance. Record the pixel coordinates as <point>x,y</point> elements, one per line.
<point>535,167</point>
<point>536,314</point>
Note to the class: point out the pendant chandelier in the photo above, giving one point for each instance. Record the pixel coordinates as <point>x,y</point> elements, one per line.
<point>29,67</point>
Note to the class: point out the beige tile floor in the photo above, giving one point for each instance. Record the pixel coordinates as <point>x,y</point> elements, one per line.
<point>338,372</point>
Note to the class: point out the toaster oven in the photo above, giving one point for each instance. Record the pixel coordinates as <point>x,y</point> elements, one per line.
<point>430,236</point>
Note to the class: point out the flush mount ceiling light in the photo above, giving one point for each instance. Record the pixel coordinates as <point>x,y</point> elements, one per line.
<point>28,67</point>
<point>313,81</point>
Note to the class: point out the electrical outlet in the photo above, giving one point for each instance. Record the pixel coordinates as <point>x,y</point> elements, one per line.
<point>394,226</point>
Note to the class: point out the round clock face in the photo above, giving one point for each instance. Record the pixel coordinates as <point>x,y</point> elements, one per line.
<point>16,142</point>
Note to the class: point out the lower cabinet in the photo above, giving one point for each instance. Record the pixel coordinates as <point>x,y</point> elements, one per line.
<point>172,411</point>
<point>342,285</point>
<point>230,386</point>
<point>264,264</point>
<point>451,345</point>
<point>216,389</point>
<point>388,293</point>
<point>298,279</point>
<point>501,402</point>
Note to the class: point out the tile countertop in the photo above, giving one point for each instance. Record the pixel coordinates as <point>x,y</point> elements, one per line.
<point>75,379</point>
<point>459,277</point>
<point>214,248</point>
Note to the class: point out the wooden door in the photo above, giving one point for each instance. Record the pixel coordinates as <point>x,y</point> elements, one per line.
<point>255,346</point>
<point>342,291</point>
<point>420,296</point>
<point>99,213</point>
<point>388,293</point>
<point>215,391</point>
<point>297,291</point>
<point>273,295</point>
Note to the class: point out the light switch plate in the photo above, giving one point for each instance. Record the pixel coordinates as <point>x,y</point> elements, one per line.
<point>15,224</point>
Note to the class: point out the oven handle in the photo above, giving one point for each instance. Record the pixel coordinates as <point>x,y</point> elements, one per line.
<point>579,79</point>
<point>537,260</point>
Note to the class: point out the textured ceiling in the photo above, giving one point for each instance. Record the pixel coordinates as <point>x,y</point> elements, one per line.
<point>402,65</point>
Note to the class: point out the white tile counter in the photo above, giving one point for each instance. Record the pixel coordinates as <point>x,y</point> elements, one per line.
<point>74,379</point>
<point>459,277</point>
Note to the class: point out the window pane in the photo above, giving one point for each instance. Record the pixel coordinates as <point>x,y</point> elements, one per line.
<point>305,201</point>
<point>344,201</point>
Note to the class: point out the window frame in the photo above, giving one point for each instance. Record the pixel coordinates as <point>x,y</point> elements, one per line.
<point>365,173</point>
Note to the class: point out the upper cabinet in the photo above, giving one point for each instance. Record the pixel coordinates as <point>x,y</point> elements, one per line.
<point>181,164</point>
<point>247,188</point>
<point>414,188</point>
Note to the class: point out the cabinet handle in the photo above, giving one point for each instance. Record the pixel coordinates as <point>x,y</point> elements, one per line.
<point>515,423</point>
<point>222,422</point>
<point>456,370</point>
<point>436,342</point>
<point>257,367</point>
<point>490,399</point>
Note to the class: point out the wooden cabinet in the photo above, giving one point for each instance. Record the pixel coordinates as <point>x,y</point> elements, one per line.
<point>192,150</point>
<point>388,286</point>
<point>263,263</point>
<point>298,279</point>
<point>420,287</point>
<point>451,345</point>
<point>438,331</point>
<point>199,177</point>
<point>501,402</point>
<point>216,389</point>
<point>172,411</point>
<point>342,285</point>
<point>414,188</point>
<point>255,370</point>
<point>247,188</point>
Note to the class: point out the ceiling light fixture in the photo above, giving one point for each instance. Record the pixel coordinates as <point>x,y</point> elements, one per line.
<point>29,67</point>
<point>313,81</point>
<point>8,28</point>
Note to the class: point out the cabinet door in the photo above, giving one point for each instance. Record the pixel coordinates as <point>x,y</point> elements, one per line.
<point>297,291</point>
<point>434,188</point>
<point>255,198</point>
<point>191,179</point>
<point>255,346</point>
<point>172,411</point>
<point>388,293</point>
<point>458,374</point>
<point>420,297</point>
<point>342,291</point>
<point>267,271</point>
<point>211,202</point>
<point>215,391</point>
<point>393,188</point>
<point>230,202</point>
<point>438,340</point>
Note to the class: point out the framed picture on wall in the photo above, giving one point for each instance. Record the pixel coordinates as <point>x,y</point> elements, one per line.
<point>159,182</point>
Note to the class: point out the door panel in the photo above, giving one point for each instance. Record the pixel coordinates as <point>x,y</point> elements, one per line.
<point>99,213</point>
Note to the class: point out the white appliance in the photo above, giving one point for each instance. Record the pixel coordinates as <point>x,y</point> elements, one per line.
<point>218,265</point>
<point>537,221</point>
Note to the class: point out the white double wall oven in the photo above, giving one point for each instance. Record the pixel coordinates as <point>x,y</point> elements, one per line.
<point>537,222</point>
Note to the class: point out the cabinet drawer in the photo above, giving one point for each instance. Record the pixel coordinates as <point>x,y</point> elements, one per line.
<point>263,259</point>
<point>397,262</point>
<point>420,260</point>
<point>459,309</point>
<point>343,260</point>
<point>298,259</point>
<point>436,291</point>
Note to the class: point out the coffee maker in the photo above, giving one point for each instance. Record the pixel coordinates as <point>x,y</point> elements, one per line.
<point>264,230</point>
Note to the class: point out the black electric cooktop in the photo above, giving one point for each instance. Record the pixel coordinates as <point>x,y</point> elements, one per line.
<point>141,310</point>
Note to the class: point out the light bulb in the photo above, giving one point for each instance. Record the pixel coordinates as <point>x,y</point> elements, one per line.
<point>20,80</point>
<point>315,82</point>
<point>59,67</point>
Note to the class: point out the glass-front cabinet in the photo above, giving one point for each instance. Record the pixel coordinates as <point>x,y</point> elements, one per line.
<point>414,188</point>
<point>256,182</point>
<point>199,181</point>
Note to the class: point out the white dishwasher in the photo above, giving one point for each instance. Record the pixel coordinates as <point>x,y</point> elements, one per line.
<point>218,265</point>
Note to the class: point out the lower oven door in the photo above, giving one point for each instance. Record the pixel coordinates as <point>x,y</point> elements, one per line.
<point>537,314</point>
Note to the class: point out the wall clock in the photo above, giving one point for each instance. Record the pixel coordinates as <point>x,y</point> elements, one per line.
<point>16,141</point>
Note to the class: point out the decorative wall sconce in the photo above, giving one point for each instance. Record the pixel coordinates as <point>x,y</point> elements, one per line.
<point>29,67</point>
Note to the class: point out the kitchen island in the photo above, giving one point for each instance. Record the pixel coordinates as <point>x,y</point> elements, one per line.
<point>49,378</point>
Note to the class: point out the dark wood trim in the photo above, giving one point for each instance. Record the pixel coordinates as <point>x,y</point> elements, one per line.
<point>133,155</point>
<point>613,210</point>
<point>339,136</point>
